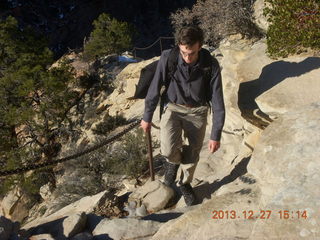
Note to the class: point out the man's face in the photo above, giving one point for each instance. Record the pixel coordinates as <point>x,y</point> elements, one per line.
<point>189,53</point>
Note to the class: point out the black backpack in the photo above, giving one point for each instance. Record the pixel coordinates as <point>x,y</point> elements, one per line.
<point>147,74</point>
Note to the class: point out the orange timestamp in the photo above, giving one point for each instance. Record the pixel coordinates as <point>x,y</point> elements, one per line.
<point>261,214</point>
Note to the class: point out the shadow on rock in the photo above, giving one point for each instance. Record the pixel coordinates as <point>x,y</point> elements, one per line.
<point>102,237</point>
<point>55,228</point>
<point>163,217</point>
<point>271,75</point>
<point>205,190</point>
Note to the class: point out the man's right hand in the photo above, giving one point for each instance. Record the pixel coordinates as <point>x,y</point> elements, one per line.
<point>146,126</point>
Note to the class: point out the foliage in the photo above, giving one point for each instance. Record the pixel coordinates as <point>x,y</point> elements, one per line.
<point>30,183</point>
<point>34,99</point>
<point>109,36</point>
<point>131,157</point>
<point>88,80</point>
<point>109,123</point>
<point>294,26</point>
<point>218,19</point>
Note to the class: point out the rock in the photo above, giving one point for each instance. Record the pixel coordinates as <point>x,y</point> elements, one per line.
<point>9,201</point>
<point>292,81</point>
<point>154,195</point>
<point>126,228</point>
<point>260,20</point>
<point>45,191</point>
<point>198,224</point>
<point>286,163</point>
<point>16,205</point>
<point>212,167</point>
<point>86,204</point>
<point>135,211</point>
<point>248,72</point>
<point>42,237</point>
<point>83,236</point>
<point>74,224</point>
<point>130,184</point>
<point>6,228</point>
<point>281,176</point>
<point>297,86</point>
<point>127,80</point>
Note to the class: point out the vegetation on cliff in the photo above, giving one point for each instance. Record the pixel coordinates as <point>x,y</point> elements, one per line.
<point>108,36</point>
<point>294,26</point>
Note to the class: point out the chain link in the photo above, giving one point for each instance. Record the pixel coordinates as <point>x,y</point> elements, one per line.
<point>76,155</point>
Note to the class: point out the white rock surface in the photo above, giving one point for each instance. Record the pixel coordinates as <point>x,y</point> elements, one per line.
<point>86,204</point>
<point>127,228</point>
<point>286,163</point>
<point>74,224</point>
<point>42,237</point>
<point>259,18</point>
<point>296,83</point>
<point>154,195</point>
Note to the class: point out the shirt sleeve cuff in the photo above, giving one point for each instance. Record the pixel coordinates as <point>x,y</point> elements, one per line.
<point>215,135</point>
<point>147,117</point>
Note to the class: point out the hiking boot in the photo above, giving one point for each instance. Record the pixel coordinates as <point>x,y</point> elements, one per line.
<point>188,194</point>
<point>170,173</point>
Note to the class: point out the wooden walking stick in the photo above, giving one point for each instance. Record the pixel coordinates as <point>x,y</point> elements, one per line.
<point>150,155</point>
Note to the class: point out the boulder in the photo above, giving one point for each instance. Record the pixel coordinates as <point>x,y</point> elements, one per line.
<point>154,195</point>
<point>16,205</point>
<point>46,191</point>
<point>126,228</point>
<point>286,163</point>
<point>86,204</point>
<point>222,217</point>
<point>9,201</point>
<point>239,136</point>
<point>276,199</point>
<point>119,100</point>
<point>260,20</point>
<point>294,82</point>
<point>74,224</point>
<point>42,237</point>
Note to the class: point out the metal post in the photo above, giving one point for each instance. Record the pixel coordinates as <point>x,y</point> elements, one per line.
<point>150,155</point>
<point>161,44</point>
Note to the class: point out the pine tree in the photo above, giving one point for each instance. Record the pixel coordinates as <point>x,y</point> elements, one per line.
<point>34,100</point>
<point>109,36</point>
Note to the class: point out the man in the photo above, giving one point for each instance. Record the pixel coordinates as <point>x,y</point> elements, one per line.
<point>186,109</point>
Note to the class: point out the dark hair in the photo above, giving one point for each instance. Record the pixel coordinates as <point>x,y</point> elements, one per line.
<point>189,35</point>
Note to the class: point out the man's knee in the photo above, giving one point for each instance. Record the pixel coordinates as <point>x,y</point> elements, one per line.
<point>172,155</point>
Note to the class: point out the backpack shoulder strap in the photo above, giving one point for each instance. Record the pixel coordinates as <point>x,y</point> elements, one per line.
<point>171,67</point>
<point>207,59</point>
<point>206,64</point>
<point>172,63</point>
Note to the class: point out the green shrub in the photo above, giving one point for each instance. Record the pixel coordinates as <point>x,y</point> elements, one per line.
<point>131,157</point>
<point>108,36</point>
<point>109,123</point>
<point>294,26</point>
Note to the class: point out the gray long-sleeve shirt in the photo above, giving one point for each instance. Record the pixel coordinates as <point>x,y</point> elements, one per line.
<point>188,87</point>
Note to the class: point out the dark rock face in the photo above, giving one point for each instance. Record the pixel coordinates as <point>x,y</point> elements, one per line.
<point>67,23</point>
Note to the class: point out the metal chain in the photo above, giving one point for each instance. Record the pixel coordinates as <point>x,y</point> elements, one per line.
<point>76,155</point>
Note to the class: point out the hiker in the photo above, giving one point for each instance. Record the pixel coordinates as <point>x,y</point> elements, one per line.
<point>186,108</point>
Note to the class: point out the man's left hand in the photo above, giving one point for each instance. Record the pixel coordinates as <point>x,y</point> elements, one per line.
<point>213,146</point>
